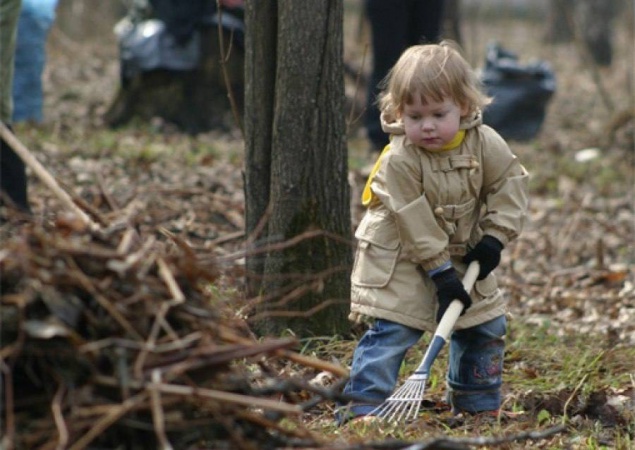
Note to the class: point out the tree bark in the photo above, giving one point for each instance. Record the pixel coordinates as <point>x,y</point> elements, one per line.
<point>451,28</point>
<point>589,21</point>
<point>296,166</point>
<point>559,26</point>
<point>594,22</point>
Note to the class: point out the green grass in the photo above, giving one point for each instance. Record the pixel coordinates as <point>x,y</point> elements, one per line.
<point>548,378</point>
<point>133,144</point>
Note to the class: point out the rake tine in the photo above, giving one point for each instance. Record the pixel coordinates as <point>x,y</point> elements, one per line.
<point>413,409</point>
<point>387,409</point>
<point>404,403</point>
<point>395,411</point>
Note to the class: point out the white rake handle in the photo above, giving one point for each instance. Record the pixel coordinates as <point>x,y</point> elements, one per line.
<point>453,312</point>
<point>451,315</point>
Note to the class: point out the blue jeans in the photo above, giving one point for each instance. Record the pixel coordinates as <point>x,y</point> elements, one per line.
<point>474,375</point>
<point>36,19</point>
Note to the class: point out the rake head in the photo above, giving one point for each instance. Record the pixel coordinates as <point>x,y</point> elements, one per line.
<point>405,402</point>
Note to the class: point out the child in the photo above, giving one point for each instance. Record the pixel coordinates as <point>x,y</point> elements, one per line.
<point>445,191</point>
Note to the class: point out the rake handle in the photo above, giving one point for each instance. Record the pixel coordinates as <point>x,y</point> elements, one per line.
<point>47,179</point>
<point>451,315</point>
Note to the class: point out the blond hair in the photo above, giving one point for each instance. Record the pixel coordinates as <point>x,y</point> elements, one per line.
<point>435,72</point>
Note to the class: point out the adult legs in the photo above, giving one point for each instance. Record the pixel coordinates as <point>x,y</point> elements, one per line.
<point>395,25</point>
<point>13,181</point>
<point>389,38</point>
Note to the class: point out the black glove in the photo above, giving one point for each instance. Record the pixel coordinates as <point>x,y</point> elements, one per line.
<point>450,288</point>
<point>487,253</point>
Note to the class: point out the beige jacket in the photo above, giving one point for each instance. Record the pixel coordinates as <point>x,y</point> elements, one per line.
<point>428,207</point>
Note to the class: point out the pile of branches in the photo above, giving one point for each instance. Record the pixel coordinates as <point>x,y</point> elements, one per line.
<point>110,339</point>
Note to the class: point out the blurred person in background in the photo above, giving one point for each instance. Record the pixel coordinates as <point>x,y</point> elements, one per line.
<point>36,19</point>
<point>395,25</point>
<point>13,181</point>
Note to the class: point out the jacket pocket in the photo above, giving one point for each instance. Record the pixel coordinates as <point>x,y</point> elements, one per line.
<point>377,251</point>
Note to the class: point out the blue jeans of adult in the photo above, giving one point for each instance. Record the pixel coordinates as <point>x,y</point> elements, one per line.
<point>36,19</point>
<point>474,375</point>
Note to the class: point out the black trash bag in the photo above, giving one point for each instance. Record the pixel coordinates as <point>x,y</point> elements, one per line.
<point>148,46</point>
<point>184,18</point>
<point>521,93</point>
<point>170,39</point>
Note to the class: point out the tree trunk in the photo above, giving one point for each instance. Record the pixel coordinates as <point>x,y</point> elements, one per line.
<point>594,23</point>
<point>559,26</point>
<point>589,21</point>
<point>451,28</point>
<point>296,166</point>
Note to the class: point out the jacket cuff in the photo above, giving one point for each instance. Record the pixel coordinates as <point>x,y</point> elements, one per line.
<point>441,268</point>
<point>436,262</point>
<point>498,234</point>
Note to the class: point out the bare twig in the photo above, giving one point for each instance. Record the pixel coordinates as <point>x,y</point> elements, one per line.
<point>58,416</point>
<point>111,416</point>
<point>158,418</point>
<point>168,278</point>
<point>8,438</point>
<point>182,344</point>
<point>215,356</point>
<point>112,203</point>
<point>223,64</point>
<point>297,313</point>
<point>446,443</point>
<point>308,361</point>
<point>7,362</point>
<point>116,265</point>
<point>227,237</point>
<point>87,283</point>
<point>152,337</point>
<point>351,117</point>
<point>285,244</point>
<point>229,397</point>
<point>566,404</point>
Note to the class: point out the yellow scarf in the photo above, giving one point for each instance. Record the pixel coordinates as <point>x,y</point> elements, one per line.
<point>367,194</point>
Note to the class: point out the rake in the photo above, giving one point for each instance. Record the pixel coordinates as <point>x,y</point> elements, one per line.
<point>405,402</point>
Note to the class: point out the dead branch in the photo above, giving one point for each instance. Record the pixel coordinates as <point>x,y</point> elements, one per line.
<point>131,327</point>
<point>446,443</point>
<point>223,63</point>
